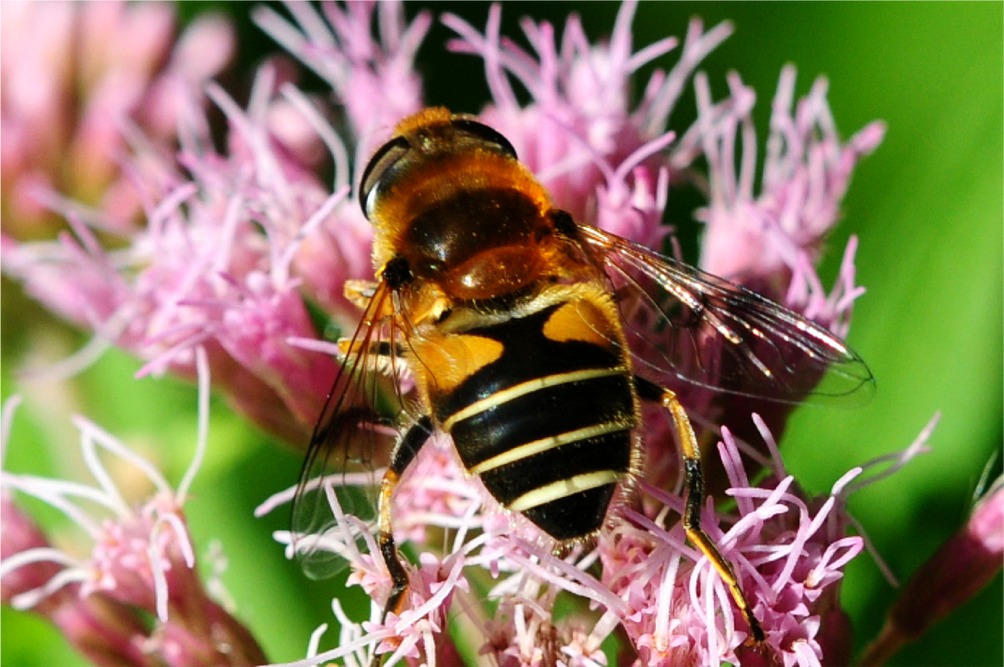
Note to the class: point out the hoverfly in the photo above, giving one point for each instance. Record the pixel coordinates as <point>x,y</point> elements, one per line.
<point>507,313</point>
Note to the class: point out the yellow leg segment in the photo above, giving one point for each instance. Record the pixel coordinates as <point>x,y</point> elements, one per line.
<point>692,510</point>
<point>403,455</point>
<point>388,547</point>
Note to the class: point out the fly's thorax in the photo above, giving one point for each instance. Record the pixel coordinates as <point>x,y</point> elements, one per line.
<point>476,223</point>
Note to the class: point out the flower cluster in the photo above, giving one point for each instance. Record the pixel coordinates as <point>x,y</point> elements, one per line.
<point>81,82</point>
<point>238,270</point>
<point>655,589</point>
<point>141,561</point>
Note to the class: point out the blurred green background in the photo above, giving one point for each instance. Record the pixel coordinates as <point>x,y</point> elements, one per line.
<point>927,208</point>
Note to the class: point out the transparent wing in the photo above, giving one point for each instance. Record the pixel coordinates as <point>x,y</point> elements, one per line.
<point>350,444</point>
<point>687,325</point>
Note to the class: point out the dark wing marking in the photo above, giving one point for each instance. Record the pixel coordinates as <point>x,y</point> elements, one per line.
<point>353,436</point>
<point>685,324</point>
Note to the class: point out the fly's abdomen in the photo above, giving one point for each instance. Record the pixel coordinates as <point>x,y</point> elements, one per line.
<point>548,426</point>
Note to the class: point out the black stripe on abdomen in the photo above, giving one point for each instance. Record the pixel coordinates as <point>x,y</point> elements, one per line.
<point>556,452</point>
<point>543,412</point>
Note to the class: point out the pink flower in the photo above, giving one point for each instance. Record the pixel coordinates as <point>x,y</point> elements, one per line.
<point>142,561</point>
<point>759,240</point>
<point>434,495</point>
<point>788,550</point>
<point>241,249</point>
<point>221,263</point>
<point>75,76</point>
<point>374,79</point>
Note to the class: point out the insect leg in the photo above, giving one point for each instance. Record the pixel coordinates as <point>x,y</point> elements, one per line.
<point>403,455</point>
<point>695,497</point>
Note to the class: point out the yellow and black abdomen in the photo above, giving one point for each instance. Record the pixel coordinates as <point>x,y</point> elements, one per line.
<point>547,425</point>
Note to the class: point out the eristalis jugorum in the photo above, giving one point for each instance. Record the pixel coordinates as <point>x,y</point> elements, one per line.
<point>507,314</point>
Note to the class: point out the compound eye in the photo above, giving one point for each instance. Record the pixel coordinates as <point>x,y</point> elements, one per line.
<point>486,134</point>
<point>376,171</point>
